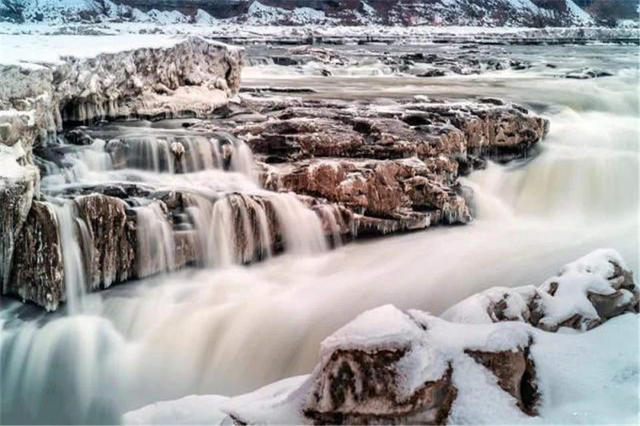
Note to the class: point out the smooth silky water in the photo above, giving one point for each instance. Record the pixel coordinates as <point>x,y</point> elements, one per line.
<point>228,329</point>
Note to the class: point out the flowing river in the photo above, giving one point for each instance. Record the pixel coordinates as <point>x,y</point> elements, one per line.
<point>227,329</point>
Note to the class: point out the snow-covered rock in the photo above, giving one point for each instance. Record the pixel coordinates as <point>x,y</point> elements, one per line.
<point>477,366</point>
<point>387,366</point>
<point>584,294</point>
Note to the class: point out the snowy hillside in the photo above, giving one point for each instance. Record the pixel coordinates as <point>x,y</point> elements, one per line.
<point>285,12</point>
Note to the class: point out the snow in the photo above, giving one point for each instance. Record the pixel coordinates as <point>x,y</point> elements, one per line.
<point>474,309</point>
<point>277,403</point>
<point>580,14</point>
<point>574,283</point>
<point>384,327</point>
<point>203,17</point>
<point>260,14</point>
<point>558,298</point>
<point>190,410</point>
<point>592,377</point>
<point>9,156</point>
<point>479,399</point>
<point>33,50</point>
<point>601,388</point>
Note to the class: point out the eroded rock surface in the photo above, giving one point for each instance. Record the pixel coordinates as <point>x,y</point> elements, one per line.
<point>37,272</point>
<point>394,167</point>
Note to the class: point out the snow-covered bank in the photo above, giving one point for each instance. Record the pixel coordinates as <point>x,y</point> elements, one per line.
<point>391,366</point>
<point>252,34</point>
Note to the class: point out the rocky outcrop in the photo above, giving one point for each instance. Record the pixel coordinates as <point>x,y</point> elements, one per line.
<point>394,367</point>
<point>419,127</point>
<point>109,239</point>
<point>37,272</point>
<point>18,184</point>
<point>395,169</point>
<point>191,77</point>
<point>194,76</point>
<point>403,190</point>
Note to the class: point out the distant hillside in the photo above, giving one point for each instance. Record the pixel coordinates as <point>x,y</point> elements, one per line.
<point>535,13</point>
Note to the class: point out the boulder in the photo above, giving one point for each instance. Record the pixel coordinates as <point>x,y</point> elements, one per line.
<point>392,367</point>
<point>586,293</point>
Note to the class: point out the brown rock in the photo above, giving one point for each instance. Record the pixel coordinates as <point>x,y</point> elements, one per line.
<point>37,272</point>
<point>110,240</point>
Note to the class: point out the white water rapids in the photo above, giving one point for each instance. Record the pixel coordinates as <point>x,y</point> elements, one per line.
<point>230,329</point>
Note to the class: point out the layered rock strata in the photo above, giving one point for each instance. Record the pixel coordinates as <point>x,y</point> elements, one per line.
<point>395,168</point>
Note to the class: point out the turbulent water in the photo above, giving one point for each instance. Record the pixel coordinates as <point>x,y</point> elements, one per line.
<point>227,328</point>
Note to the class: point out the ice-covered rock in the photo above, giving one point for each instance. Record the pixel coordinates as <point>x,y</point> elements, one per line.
<point>586,73</point>
<point>583,295</point>
<point>18,184</point>
<point>37,268</point>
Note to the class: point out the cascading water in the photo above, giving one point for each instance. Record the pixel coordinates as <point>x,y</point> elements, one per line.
<point>155,241</point>
<point>231,329</point>
<point>72,256</point>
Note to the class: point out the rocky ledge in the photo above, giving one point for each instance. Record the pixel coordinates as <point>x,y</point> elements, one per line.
<point>492,357</point>
<point>158,198</point>
<point>191,77</point>
<point>393,167</point>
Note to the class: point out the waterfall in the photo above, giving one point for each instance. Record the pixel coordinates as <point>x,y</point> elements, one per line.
<point>150,153</point>
<point>67,371</point>
<point>156,246</point>
<point>330,217</point>
<point>228,330</point>
<point>587,172</point>
<point>181,153</point>
<point>242,160</point>
<point>222,234</point>
<point>300,226</point>
<point>72,256</point>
